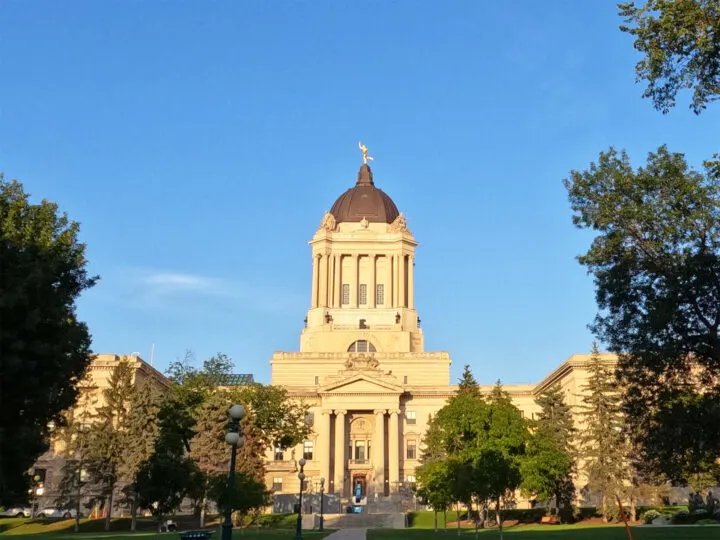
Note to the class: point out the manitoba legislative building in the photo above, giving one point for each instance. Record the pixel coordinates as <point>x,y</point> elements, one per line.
<point>362,366</point>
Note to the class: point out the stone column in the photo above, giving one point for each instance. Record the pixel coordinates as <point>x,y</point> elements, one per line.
<point>373,280</point>
<point>338,280</point>
<point>396,281</point>
<point>354,281</point>
<point>378,457</point>
<point>411,282</point>
<point>327,298</point>
<point>322,286</point>
<point>340,463</point>
<point>393,447</point>
<point>388,281</point>
<point>324,444</point>
<point>315,279</point>
<point>403,282</point>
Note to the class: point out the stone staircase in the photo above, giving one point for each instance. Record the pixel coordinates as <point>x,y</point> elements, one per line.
<point>363,521</point>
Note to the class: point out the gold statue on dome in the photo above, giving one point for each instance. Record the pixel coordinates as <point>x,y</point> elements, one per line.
<point>364,151</point>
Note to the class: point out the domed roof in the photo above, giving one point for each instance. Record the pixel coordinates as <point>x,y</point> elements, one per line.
<point>364,201</point>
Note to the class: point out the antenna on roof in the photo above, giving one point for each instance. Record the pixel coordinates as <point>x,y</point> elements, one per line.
<point>152,354</point>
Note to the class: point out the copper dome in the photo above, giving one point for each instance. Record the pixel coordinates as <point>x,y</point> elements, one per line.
<point>364,201</point>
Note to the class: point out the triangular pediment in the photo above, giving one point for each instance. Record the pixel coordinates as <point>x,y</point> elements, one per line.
<point>360,383</point>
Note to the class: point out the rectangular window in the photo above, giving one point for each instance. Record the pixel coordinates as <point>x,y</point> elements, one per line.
<point>405,379</point>
<point>317,380</point>
<point>410,478</point>
<point>360,450</point>
<point>379,295</point>
<point>278,454</point>
<point>362,297</point>
<point>345,294</point>
<point>308,450</point>
<point>410,417</point>
<point>277,484</point>
<point>411,450</point>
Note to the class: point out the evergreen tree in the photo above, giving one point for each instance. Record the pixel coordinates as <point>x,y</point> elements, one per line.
<point>141,435</point>
<point>551,455</point>
<point>601,440</point>
<point>109,434</point>
<point>467,385</point>
<point>74,447</point>
<point>208,447</point>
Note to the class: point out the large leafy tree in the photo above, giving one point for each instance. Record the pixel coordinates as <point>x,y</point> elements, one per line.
<point>45,348</point>
<point>656,263</point>
<point>680,41</point>
<point>550,462</point>
<point>463,438</point>
<point>602,441</point>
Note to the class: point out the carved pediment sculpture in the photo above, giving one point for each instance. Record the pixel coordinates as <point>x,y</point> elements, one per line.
<point>328,222</point>
<point>399,225</point>
<point>361,363</point>
<point>364,223</point>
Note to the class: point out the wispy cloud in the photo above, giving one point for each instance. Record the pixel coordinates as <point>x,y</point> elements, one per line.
<point>177,282</point>
<point>171,290</point>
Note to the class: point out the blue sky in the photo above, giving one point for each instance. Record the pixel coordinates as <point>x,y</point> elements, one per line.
<point>199,144</point>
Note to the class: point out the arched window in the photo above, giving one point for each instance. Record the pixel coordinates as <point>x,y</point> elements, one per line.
<point>361,345</point>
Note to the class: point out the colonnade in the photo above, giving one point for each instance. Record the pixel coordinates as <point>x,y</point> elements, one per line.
<point>328,278</point>
<point>340,459</point>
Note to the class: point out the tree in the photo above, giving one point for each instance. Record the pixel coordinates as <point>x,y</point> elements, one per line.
<point>73,445</point>
<point>108,439</point>
<point>141,436</point>
<point>467,384</point>
<point>549,466</point>
<point>434,485</point>
<point>495,476</point>
<point>601,440</point>
<point>656,264</point>
<point>45,348</point>
<point>248,493</point>
<point>680,42</point>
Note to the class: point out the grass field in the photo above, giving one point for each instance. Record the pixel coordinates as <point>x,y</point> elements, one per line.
<point>38,529</point>
<point>247,534</point>
<point>556,532</point>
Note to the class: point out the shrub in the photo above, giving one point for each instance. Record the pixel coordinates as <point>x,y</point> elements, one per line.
<point>649,515</point>
<point>707,522</point>
<point>681,517</point>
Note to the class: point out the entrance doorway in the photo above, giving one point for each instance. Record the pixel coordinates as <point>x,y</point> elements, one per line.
<point>359,487</point>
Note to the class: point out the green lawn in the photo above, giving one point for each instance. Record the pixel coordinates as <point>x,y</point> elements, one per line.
<point>19,528</point>
<point>248,534</point>
<point>556,532</point>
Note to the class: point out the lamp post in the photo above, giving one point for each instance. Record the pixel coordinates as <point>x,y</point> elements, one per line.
<point>301,476</point>
<point>235,440</point>
<point>322,490</point>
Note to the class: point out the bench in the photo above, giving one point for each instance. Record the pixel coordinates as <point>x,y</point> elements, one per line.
<point>552,520</point>
<point>196,535</point>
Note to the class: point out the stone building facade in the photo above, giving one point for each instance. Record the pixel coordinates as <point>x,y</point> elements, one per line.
<point>49,466</point>
<point>362,364</point>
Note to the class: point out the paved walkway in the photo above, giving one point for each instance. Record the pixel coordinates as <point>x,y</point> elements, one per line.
<point>347,534</point>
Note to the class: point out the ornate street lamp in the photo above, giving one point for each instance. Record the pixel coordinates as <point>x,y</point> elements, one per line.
<point>235,440</point>
<point>322,490</point>
<point>301,476</point>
